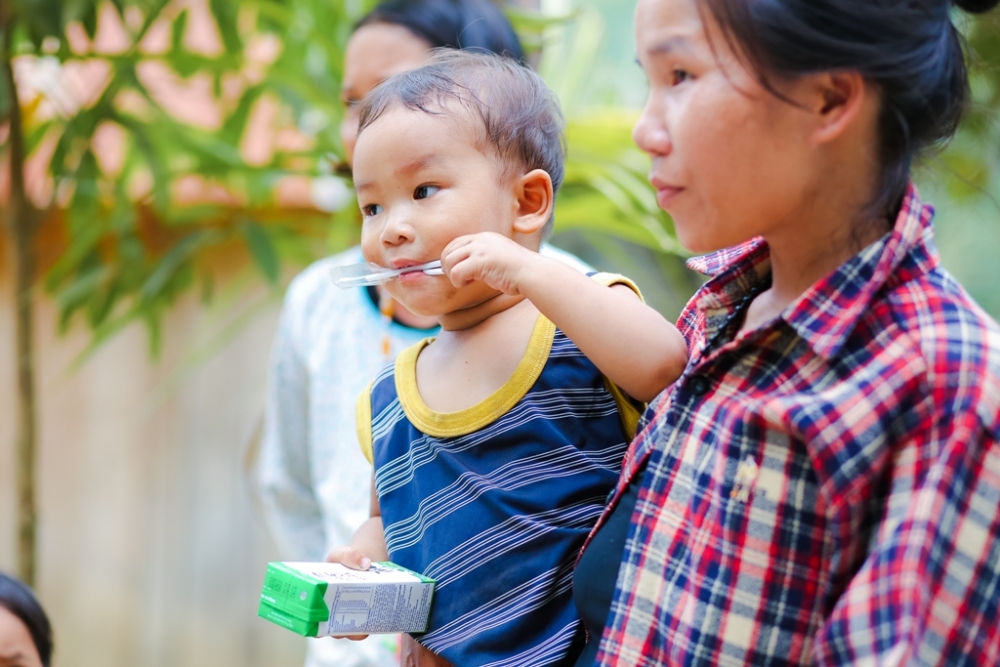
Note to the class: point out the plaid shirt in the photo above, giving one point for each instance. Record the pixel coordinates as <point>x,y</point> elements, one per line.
<point>825,489</point>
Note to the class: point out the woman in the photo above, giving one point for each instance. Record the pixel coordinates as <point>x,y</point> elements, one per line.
<point>822,485</point>
<point>313,479</point>
<point>25,634</point>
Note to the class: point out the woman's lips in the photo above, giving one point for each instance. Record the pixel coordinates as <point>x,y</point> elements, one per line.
<point>665,192</point>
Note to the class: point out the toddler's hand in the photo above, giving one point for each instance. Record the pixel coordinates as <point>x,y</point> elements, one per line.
<point>489,257</point>
<point>350,557</point>
<point>354,559</point>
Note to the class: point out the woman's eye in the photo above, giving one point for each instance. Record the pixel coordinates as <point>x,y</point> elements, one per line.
<point>371,210</point>
<point>679,76</point>
<point>425,191</point>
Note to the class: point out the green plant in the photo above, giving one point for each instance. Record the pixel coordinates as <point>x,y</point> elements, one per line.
<point>131,245</point>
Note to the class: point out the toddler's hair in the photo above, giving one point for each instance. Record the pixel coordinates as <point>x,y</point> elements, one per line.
<point>521,121</point>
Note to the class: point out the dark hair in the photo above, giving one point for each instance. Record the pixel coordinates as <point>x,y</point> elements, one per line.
<point>909,49</point>
<point>520,119</point>
<point>18,599</point>
<point>455,24</point>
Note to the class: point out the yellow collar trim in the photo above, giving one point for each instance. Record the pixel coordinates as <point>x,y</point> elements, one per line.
<point>494,406</point>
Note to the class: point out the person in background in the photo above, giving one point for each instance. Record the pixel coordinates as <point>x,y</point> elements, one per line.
<point>822,484</point>
<point>25,633</point>
<point>311,476</point>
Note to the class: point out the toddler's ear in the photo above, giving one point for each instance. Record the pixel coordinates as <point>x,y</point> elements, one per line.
<point>535,201</point>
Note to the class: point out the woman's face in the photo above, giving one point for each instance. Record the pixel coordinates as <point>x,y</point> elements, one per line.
<point>730,160</point>
<point>17,649</point>
<point>374,53</point>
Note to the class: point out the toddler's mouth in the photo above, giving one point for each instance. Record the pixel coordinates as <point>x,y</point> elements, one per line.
<point>430,268</point>
<point>362,275</point>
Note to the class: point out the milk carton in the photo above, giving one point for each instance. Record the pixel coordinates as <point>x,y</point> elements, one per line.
<point>319,599</point>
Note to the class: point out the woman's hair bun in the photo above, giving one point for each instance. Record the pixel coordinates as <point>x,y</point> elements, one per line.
<point>976,6</point>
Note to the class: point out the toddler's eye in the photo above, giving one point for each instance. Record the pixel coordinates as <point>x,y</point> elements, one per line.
<point>371,210</point>
<point>679,76</point>
<point>425,191</point>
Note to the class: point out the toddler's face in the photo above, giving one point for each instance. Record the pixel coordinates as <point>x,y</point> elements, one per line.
<point>421,183</point>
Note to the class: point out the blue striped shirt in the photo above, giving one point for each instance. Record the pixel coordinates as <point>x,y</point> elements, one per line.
<point>495,501</point>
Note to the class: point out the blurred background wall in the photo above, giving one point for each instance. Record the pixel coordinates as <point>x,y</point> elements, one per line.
<point>167,227</point>
<point>150,552</point>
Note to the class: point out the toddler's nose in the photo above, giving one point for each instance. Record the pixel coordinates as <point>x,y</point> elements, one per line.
<point>397,230</point>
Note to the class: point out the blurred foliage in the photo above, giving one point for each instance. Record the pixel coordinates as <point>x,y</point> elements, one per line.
<point>968,167</point>
<point>606,188</point>
<point>131,248</point>
<point>606,192</point>
<point>963,180</point>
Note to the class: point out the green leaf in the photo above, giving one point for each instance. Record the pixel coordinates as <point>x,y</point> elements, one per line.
<point>233,128</point>
<point>81,244</point>
<point>119,7</point>
<point>86,284</point>
<point>171,263</point>
<point>262,250</point>
<point>154,327</point>
<point>143,143</point>
<point>102,334</point>
<point>177,31</point>
<point>89,19</point>
<point>100,304</point>
<point>43,18</point>
<point>151,13</point>
<point>37,134</point>
<point>225,15</point>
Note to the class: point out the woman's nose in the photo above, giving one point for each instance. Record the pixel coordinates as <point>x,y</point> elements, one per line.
<point>650,132</point>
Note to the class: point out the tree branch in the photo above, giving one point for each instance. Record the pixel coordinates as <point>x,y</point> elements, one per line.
<point>22,225</point>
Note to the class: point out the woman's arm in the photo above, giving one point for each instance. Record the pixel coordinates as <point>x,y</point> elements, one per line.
<point>630,343</point>
<point>926,591</point>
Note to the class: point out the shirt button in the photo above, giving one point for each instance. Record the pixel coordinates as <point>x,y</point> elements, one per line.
<point>699,385</point>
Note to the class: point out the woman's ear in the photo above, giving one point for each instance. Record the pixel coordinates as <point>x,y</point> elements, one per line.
<point>535,201</point>
<point>839,100</point>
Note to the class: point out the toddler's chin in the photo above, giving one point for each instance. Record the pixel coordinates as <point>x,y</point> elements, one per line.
<point>417,306</point>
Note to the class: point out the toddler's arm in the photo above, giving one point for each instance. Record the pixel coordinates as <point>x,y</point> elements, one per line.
<point>632,344</point>
<point>367,544</point>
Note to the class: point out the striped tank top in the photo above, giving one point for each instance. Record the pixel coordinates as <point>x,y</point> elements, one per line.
<point>495,501</point>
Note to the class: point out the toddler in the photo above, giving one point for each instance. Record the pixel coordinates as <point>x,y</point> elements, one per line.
<point>496,443</point>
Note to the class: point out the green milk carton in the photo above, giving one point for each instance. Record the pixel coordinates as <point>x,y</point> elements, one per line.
<point>320,599</point>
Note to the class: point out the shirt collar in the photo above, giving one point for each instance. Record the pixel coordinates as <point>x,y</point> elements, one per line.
<point>827,313</point>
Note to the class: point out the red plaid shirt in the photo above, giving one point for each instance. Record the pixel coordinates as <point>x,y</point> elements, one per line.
<point>825,489</point>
